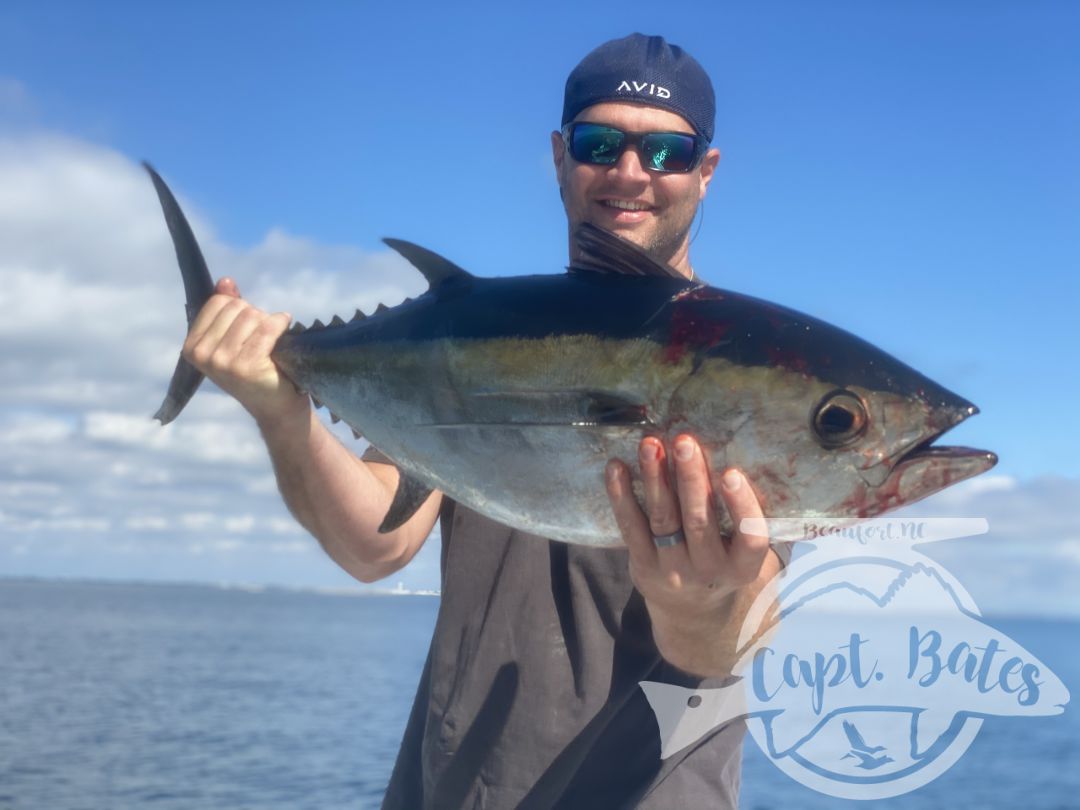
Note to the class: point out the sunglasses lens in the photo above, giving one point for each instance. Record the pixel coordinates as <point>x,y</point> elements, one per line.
<point>660,151</point>
<point>669,151</point>
<point>590,143</point>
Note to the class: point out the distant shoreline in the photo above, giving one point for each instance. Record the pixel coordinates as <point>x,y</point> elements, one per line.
<point>255,588</point>
<point>236,587</point>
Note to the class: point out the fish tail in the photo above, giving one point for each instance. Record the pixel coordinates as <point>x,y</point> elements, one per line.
<point>198,287</point>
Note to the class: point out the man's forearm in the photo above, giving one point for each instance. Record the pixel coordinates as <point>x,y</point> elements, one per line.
<point>340,500</point>
<point>333,494</point>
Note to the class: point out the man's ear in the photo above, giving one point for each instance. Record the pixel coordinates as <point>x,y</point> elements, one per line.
<point>708,169</point>
<point>558,150</point>
<point>558,155</point>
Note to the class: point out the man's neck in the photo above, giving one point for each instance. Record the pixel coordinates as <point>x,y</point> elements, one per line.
<point>681,261</point>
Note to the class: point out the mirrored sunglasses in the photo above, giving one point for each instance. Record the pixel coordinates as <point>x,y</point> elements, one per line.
<point>603,145</point>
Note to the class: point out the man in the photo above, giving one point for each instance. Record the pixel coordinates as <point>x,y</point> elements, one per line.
<point>530,694</point>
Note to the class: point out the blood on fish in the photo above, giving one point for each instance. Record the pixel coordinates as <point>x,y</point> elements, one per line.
<point>791,461</point>
<point>691,330</point>
<point>787,358</point>
<point>774,483</point>
<point>866,502</point>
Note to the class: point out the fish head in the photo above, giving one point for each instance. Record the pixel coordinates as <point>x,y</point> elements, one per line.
<point>821,422</point>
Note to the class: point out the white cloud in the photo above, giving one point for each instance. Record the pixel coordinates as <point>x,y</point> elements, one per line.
<point>283,526</point>
<point>30,428</point>
<point>1029,562</point>
<point>93,321</point>
<point>150,523</point>
<point>965,491</point>
<point>1069,550</point>
<point>232,440</point>
<point>197,521</point>
<point>240,524</point>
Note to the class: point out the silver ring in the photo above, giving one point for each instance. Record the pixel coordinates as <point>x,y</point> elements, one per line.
<point>669,540</point>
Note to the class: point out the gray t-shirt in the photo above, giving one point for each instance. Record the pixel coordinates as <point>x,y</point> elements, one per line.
<point>530,697</point>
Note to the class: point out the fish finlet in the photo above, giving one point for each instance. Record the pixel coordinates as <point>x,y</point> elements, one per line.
<point>318,324</point>
<point>381,308</point>
<point>337,320</point>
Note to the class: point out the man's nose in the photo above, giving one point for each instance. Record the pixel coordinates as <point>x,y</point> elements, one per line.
<point>629,166</point>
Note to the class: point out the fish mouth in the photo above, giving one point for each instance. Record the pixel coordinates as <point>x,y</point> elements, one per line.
<point>926,452</point>
<point>963,462</point>
<point>925,468</point>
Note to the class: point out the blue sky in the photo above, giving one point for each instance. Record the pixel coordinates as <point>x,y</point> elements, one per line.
<point>905,170</point>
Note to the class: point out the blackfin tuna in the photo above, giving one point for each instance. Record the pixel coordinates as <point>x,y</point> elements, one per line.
<point>511,394</point>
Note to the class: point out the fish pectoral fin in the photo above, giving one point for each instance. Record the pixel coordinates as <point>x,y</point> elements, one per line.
<point>408,498</point>
<point>603,252</point>
<point>602,408</point>
<point>546,407</point>
<point>436,269</point>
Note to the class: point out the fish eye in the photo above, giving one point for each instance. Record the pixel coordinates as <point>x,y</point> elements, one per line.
<point>839,419</point>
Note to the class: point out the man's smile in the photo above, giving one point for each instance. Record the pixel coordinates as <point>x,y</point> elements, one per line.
<point>627,205</point>
<point>625,212</point>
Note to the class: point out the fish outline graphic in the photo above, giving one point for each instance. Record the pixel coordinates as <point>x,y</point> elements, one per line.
<point>875,641</point>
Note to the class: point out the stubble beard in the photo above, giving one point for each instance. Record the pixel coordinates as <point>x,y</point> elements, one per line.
<point>663,244</point>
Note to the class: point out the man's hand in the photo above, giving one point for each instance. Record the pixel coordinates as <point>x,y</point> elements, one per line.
<point>230,342</point>
<point>333,494</point>
<point>697,591</point>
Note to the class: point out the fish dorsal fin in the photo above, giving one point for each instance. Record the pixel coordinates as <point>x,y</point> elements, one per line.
<point>603,252</point>
<point>435,268</point>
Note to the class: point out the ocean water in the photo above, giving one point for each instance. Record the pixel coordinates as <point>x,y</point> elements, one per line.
<point>168,696</point>
<point>161,696</point>
<point>1014,762</point>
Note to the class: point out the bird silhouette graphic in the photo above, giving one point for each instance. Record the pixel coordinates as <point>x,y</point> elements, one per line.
<point>863,752</point>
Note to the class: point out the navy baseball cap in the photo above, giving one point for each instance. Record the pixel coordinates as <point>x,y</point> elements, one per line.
<point>644,70</point>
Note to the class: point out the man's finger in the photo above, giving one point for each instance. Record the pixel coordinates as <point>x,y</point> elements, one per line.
<point>263,339</point>
<point>205,346</point>
<point>661,503</point>
<point>205,320</point>
<point>699,521</point>
<point>632,523</point>
<point>747,551</point>
<point>246,323</point>
<point>227,286</point>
